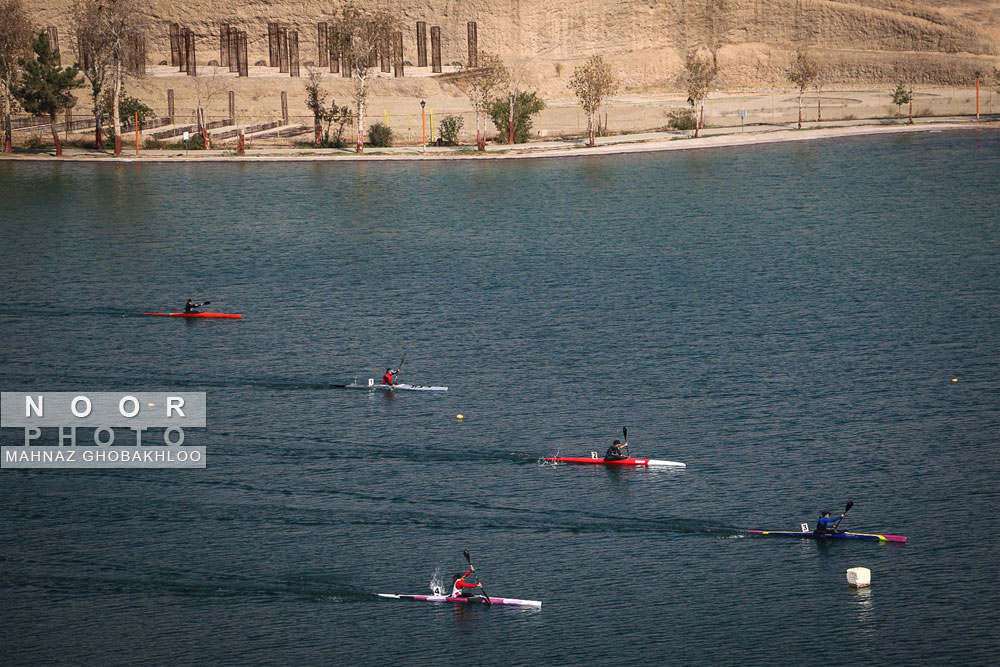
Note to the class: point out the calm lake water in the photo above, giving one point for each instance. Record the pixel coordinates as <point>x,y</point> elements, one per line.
<point>786,319</point>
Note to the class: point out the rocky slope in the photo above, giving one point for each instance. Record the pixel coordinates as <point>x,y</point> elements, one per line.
<point>857,41</point>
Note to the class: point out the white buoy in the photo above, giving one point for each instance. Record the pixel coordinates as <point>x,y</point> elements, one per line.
<point>859,577</point>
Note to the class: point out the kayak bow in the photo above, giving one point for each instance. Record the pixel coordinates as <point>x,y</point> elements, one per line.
<point>830,536</point>
<point>476,600</point>
<point>621,462</point>
<point>232,316</point>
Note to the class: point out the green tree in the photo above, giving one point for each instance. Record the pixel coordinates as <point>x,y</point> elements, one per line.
<point>803,72</point>
<point>525,106</point>
<point>128,108</point>
<point>699,74</point>
<point>44,88</point>
<point>593,82</point>
<point>903,95</point>
<point>325,116</point>
<point>16,34</point>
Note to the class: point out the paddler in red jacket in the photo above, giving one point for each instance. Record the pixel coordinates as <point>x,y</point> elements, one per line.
<point>460,588</point>
<point>390,376</point>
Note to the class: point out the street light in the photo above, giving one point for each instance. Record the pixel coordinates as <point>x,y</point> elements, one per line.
<point>423,128</point>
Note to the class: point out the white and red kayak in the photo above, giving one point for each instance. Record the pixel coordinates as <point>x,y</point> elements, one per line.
<point>474,600</point>
<point>232,316</point>
<point>621,462</point>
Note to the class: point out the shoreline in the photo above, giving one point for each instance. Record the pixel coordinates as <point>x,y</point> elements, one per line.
<point>614,145</point>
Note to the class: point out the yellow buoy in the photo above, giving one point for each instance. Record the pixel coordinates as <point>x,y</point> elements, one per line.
<point>459,416</point>
<point>954,379</point>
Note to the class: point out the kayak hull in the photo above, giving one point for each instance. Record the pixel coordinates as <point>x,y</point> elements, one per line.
<point>231,316</point>
<point>830,536</point>
<point>622,462</point>
<point>387,387</point>
<point>476,600</point>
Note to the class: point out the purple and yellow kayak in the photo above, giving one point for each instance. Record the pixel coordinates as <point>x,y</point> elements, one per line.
<point>475,600</point>
<point>830,536</point>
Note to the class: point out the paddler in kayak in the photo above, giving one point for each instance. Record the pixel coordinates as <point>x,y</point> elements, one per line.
<point>827,525</point>
<point>191,306</point>
<point>460,588</point>
<point>390,376</point>
<point>614,452</point>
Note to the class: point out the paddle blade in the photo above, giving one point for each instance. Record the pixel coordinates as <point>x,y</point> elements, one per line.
<point>848,508</point>
<point>468,559</point>
<point>205,303</point>
<point>625,433</point>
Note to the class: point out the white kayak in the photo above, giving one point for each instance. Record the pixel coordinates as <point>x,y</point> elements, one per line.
<point>474,600</point>
<point>389,387</point>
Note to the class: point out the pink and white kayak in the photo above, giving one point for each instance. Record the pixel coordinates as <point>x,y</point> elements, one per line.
<point>621,462</point>
<point>475,600</point>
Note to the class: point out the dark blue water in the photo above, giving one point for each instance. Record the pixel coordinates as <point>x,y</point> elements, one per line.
<point>787,320</point>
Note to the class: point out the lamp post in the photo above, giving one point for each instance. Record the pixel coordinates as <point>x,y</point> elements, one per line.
<point>423,128</point>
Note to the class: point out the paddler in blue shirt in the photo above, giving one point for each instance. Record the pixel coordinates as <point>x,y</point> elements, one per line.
<point>614,452</point>
<point>826,523</point>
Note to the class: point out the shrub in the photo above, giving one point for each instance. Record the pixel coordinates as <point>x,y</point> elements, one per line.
<point>152,143</point>
<point>35,141</point>
<point>450,128</point>
<point>380,135</point>
<point>682,119</point>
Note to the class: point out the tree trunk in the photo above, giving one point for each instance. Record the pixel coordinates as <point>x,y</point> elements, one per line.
<point>318,129</point>
<point>55,135</point>
<point>240,143</point>
<point>819,110</point>
<point>590,129</point>
<point>510,121</point>
<point>116,125</point>
<point>360,144</point>
<point>8,144</point>
<point>800,112</point>
<point>911,111</point>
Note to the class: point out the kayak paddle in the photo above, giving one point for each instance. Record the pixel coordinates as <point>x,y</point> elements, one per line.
<point>400,363</point>
<point>625,437</point>
<point>468,559</point>
<point>846,510</point>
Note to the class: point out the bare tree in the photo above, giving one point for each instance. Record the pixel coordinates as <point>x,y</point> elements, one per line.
<point>16,33</point>
<point>593,82</point>
<point>205,88</point>
<point>122,25</point>
<point>361,34</point>
<point>95,56</point>
<point>699,73</point>
<point>803,72</point>
<point>484,83</point>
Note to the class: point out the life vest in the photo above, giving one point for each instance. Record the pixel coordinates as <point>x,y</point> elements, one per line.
<point>387,378</point>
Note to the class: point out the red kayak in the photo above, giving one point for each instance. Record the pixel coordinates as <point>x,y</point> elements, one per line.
<point>620,462</point>
<point>233,316</point>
